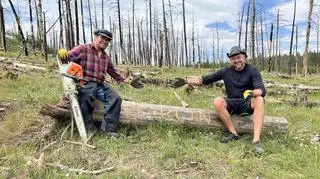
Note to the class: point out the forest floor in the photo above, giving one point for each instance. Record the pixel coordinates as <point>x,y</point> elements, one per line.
<point>156,150</point>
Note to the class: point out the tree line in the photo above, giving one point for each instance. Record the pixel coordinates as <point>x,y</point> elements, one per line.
<point>155,39</point>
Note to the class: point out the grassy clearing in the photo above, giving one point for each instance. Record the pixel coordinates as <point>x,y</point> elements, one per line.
<point>157,150</point>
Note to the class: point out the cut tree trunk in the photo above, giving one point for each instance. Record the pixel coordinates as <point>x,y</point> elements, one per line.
<point>142,113</point>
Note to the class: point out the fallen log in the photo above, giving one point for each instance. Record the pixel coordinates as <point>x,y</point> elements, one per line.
<point>142,114</point>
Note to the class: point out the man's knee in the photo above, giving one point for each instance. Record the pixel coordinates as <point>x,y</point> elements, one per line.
<point>219,103</point>
<point>258,102</point>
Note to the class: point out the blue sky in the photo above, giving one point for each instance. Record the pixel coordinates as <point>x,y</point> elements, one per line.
<point>207,13</point>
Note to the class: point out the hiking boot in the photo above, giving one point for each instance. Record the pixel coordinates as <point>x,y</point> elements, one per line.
<point>258,148</point>
<point>229,137</point>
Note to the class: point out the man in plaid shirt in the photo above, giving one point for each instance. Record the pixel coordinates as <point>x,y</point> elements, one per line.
<point>96,63</point>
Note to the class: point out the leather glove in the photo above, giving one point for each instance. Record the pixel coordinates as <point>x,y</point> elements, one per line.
<point>247,94</point>
<point>177,82</point>
<point>63,54</point>
<point>136,83</point>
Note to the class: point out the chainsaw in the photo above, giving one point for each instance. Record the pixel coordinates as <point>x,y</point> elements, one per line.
<point>75,72</point>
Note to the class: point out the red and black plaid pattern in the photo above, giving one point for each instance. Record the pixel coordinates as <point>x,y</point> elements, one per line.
<point>94,68</point>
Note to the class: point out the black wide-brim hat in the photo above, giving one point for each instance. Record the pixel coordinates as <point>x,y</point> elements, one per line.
<point>103,33</point>
<point>235,50</point>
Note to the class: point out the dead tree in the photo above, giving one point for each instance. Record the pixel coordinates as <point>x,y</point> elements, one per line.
<point>133,34</point>
<point>2,29</point>
<point>262,44</point>
<point>192,39</point>
<point>247,23</point>
<point>45,49</point>
<point>82,23</point>
<point>31,25</point>
<point>41,24</point>
<point>296,57</point>
<point>276,59</point>
<point>270,44</point>
<point>77,21</point>
<point>253,22</point>
<point>306,50</point>
<point>70,25</point>
<point>240,26</point>
<point>120,28</point>
<point>166,38</point>
<point>90,20</point>
<point>213,52</point>
<point>95,14</point>
<point>291,40</point>
<point>297,62</point>
<point>61,44</point>
<point>318,29</point>
<point>37,15</point>
<point>173,47</point>
<point>185,32</point>
<point>102,13</point>
<point>217,55</point>
<point>24,42</point>
<point>150,31</point>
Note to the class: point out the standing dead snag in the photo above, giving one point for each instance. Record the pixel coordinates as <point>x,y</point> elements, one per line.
<point>24,42</point>
<point>306,50</point>
<point>2,29</point>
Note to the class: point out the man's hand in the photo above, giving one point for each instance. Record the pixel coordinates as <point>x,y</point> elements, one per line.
<point>177,82</point>
<point>194,80</point>
<point>62,54</point>
<point>247,94</point>
<point>136,83</point>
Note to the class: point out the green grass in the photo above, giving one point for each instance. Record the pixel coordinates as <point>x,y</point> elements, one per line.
<point>158,149</point>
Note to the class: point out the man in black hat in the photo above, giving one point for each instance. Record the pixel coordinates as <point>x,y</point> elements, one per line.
<point>96,64</point>
<point>245,92</point>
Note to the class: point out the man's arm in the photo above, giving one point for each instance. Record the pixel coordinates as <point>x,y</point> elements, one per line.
<point>114,73</point>
<point>207,79</point>
<point>258,86</point>
<point>76,53</point>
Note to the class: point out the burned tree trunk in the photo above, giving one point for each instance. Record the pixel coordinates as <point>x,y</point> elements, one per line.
<point>2,29</point>
<point>82,22</point>
<point>240,26</point>
<point>185,32</point>
<point>270,48</point>
<point>253,22</point>
<point>291,39</point>
<point>77,21</point>
<point>142,114</point>
<point>247,22</point>
<point>24,42</point>
<point>31,25</point>
<point>61,44</point>
<point>41,25</point>
<point>306,50</point>
<point>90,19</point>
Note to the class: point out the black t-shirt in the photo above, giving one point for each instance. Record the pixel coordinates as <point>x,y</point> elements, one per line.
<point>236,82</point>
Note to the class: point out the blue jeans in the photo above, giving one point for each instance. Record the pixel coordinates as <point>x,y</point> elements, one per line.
<point>112,103</point>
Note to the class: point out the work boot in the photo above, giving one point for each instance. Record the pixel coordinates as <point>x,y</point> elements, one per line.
<point>230,137</point>
<point>258,147</point>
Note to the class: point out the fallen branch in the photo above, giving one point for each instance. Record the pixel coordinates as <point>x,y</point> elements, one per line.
<point>79,143</point>
<point>47,146</point>
<point>183,103</point>
<point>82,171</point>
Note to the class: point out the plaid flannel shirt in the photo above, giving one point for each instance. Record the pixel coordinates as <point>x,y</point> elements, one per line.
<point>94,68</point>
